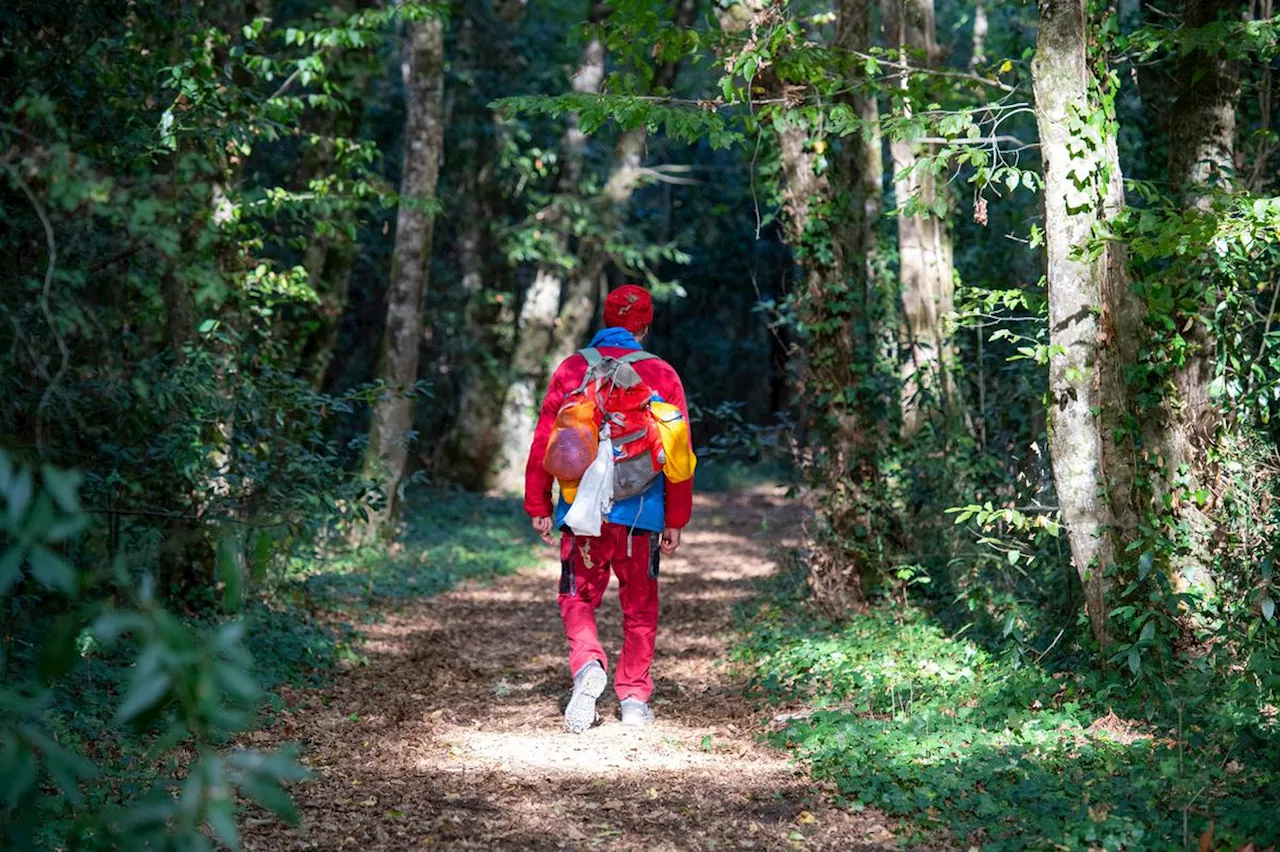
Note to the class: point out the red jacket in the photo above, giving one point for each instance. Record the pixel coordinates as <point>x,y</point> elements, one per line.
<point>659,375</point>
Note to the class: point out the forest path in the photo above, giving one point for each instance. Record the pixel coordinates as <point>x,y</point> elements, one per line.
<point>452,736</point>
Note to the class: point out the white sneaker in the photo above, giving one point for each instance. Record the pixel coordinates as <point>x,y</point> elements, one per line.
<point>588,685</point>
<point>636,713</point>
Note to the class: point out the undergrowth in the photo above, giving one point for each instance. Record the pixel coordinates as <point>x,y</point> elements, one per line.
<point>300,627</point>
<point>969,740</point>
<point>449,537</point>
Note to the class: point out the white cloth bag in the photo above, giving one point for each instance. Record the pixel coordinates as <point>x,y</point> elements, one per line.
<point>594,500</point>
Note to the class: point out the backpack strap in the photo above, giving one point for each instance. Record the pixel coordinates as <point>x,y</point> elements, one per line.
<point>594,357</point>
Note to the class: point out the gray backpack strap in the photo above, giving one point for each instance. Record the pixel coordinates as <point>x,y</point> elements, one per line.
<point>592,355</point>
<point>636,357</point>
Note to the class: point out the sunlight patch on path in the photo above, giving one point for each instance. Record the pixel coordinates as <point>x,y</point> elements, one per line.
<point>452,736</point>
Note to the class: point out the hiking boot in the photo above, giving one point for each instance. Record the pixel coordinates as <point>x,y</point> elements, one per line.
<point>636,713</point>
<point>588,685</point>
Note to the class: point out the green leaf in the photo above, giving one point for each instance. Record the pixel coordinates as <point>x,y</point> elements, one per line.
<point>19,497</point>
<point>1218,387</point>
<point>20,775</point>
<point>110,625</point>
<point>59,653</point>
<point>1268,609</point>
<point>1144,564</point>
<point>144,694</point>
<point>64,485</point>
<point>221,820</point>
<point>1148,632</point>
<point>11,567</point>
<point>238,682</point>
<point>51,570</point>
<point>267,792</point>
<point>1135,660</point>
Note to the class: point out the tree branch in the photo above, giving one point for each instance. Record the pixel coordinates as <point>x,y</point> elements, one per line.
<point>115,258</point>
<point>52,244</point>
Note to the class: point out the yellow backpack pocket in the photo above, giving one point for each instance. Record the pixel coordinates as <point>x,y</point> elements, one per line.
<point>676,447</point>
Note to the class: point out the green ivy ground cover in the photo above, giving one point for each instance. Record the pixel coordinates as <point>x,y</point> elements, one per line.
<point>931,727</point>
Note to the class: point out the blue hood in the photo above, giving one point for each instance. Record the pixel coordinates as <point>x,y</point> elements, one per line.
<point>616,336</point>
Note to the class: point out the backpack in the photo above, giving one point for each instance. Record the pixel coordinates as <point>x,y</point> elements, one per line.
<point>612,393</point>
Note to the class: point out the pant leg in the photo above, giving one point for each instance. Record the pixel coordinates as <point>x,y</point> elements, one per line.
<point>584,576</point>
<point>638,593</point>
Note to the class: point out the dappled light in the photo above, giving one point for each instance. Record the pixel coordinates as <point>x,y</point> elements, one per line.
<point>450,735</point>
<point>902,373</point>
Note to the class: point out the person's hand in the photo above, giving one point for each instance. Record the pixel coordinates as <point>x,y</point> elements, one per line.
<point>670,540</point>
<point>542,526</point>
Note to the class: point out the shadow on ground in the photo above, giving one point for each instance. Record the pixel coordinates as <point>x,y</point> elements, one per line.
<point>451,736</point>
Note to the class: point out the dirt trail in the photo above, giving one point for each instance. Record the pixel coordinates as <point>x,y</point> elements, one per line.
<point>452,737</point>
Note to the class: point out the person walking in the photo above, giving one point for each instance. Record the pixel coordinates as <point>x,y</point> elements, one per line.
<point>638,531</point>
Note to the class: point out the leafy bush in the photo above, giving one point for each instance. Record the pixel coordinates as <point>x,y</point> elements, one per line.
<point>188,693</point>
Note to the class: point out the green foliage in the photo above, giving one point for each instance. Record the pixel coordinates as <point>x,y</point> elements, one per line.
<point>692,123</point>
<point>187,688</point>
<point>902,716</point>
<point>450,536</point>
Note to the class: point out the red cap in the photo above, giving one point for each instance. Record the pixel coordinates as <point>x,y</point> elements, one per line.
<point>629,307</point>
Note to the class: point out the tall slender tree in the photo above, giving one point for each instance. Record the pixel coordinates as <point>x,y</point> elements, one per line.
<point>924,241</point>
<point>537,320</point>
<point>1201,161</point>
<point>625,175</point>
<point>387,456</point>
<point>1095,321</point>
<point>468,451</point>
<point>830,217</point>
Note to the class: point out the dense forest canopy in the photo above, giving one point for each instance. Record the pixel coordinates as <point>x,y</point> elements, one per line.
<point>993,285</point>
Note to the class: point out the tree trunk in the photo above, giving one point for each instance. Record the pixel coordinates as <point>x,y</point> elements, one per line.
<point>1201,158</point>
<point>1095,322</point>
<point>387,456</point>
<point>472,442</point>
<point>836,316</point>
<point>628,159</point>
<point>536,325</point>
<point>924,242</point>
<point>978,56</point>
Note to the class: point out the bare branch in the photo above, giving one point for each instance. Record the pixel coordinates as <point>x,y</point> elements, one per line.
<point>52,244</point>
<point>981,140</point>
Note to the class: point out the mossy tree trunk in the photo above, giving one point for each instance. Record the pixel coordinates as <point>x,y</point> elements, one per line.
<point>830,216</point>
<point>1201,161</point>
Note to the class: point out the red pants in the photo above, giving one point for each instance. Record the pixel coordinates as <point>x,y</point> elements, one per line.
<point>585,565</point>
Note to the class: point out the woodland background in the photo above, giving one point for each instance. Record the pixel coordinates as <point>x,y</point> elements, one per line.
<point>992,284</point>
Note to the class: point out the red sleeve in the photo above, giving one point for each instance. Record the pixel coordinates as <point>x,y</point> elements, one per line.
<point>537,482</point>
<point>679,495</point>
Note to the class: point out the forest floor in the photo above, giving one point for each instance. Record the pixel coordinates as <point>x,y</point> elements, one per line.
<point>451,736</point>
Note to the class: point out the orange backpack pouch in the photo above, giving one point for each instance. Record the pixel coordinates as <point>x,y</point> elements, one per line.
<point>575,438</point>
